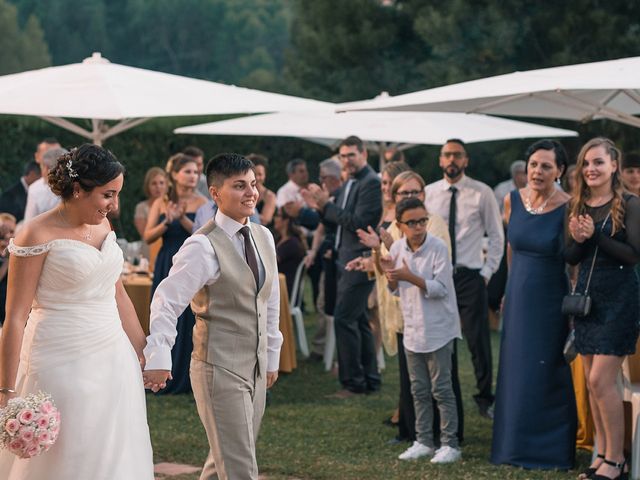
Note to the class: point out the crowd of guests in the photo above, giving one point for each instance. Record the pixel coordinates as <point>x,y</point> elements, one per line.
<point>413,268</point>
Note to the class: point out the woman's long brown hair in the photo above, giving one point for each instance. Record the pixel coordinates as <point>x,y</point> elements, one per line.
<point>582,191</point>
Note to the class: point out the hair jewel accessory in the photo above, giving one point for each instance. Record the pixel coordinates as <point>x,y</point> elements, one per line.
<point>72,172</point>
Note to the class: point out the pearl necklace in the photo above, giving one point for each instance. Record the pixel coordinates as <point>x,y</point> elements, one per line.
<point>84,236</point>
<point>540,208</point>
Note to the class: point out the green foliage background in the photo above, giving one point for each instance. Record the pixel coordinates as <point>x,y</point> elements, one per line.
<point>327,49</point>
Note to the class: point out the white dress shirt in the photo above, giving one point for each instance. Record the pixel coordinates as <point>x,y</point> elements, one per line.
<point>477,213</point>
<point>40,199</point>
<point>431,318</point>
<point>289,192</point>
<point>194,266</point>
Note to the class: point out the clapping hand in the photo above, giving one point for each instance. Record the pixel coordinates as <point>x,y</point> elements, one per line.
<point>156,380</point>
<point>386,237</point>
<point>315,196</point>
<point>399,273</point>
<point>174,211</point>
<point>368,238</point>
<point>360,264</point>
<point>581,228</point>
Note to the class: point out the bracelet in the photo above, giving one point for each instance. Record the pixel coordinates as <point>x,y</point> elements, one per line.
<point>7,390</point>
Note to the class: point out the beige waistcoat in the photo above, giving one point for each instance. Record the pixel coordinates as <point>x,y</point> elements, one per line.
<point>231,315</point>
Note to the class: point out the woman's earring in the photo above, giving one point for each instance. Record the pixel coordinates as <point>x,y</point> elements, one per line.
<point>76,195</point>
<point>558,180</point>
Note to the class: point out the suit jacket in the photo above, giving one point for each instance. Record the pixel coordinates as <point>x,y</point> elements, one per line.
<point>14,200</point>
<point>363,209</point>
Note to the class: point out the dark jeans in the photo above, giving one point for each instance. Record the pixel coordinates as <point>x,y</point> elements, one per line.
<point>357,365</point>
<point>471,293</point>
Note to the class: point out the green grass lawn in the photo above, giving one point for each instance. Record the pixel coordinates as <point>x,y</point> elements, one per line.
<point>305,435</point>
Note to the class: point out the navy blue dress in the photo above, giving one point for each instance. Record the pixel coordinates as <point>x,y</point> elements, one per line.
<point>535,419</point>
<point>172,240</point>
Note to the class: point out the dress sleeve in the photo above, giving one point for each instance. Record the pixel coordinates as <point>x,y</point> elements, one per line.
<point>33,251</point>
<point>627,252</point>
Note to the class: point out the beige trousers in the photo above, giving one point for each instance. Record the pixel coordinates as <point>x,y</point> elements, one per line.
<point>231,409</point>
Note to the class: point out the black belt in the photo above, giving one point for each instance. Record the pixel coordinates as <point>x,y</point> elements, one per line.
<point>459,270</point>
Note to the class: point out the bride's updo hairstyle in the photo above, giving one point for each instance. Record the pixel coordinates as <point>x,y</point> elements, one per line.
<point>88,165</point>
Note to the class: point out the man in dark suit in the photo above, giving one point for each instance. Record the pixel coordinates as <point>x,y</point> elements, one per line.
<point>14,199</point>
<point>357,205</point>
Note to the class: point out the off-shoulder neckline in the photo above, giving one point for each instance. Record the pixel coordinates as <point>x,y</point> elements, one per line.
<point>64,240</point>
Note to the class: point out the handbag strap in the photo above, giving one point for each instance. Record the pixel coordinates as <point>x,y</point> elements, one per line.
<point>593,261</point>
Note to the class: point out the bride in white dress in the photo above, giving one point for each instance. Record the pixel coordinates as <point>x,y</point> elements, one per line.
<point>71,331</point>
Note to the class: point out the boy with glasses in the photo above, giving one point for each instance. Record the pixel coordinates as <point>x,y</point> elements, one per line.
<point>419,271</point>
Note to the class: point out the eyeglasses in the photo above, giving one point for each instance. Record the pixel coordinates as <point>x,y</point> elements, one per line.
<point>455,155</point>
<point>414,223</point>
<point>409,193</point>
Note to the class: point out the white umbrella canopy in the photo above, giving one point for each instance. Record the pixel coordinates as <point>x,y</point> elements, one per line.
<point>395,127</point>
<point>99,90</point>
<point>583,92</point>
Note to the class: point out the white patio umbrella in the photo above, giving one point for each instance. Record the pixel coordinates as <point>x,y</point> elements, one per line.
<point>583,92</point>
<point>99,90</point>
<point>396,127</point>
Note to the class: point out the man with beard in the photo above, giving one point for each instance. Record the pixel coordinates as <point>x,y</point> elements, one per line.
<point>471,211</point>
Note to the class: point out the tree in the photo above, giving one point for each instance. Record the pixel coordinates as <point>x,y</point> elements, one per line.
<point>20,48</point>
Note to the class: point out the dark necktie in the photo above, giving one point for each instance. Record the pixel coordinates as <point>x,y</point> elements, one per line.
<point>452,223</point>
<point>249,253</point>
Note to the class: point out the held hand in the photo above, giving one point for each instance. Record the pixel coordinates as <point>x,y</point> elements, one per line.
<point>5,397</point>
<point>368,238</point>
<point>309,258</point>
<point>142,361</point>
<point>271,378</point>
<point>156,380</point>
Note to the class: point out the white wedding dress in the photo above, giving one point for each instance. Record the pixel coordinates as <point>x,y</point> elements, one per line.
<point>76,349</point>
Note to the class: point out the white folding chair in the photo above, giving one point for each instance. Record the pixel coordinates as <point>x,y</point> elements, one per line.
<point>329,344</point>
<point>295,305</point>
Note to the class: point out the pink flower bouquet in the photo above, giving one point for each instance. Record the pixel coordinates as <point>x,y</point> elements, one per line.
<point>30,425</point>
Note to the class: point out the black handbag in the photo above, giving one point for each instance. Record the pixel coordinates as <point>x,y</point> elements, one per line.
<point>579,304</point>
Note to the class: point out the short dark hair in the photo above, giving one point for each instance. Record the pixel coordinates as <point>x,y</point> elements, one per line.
<point>293,164</point>
<point>458,141</point>
<point>408,204</point>
<point>225,165</point>
<point>352,141</point>
<point>29,167</point>
<point>258,159</point>
<point>630,160</point>
<point>551,145</point>
<point>89,166</point>
<point>193,151</point>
